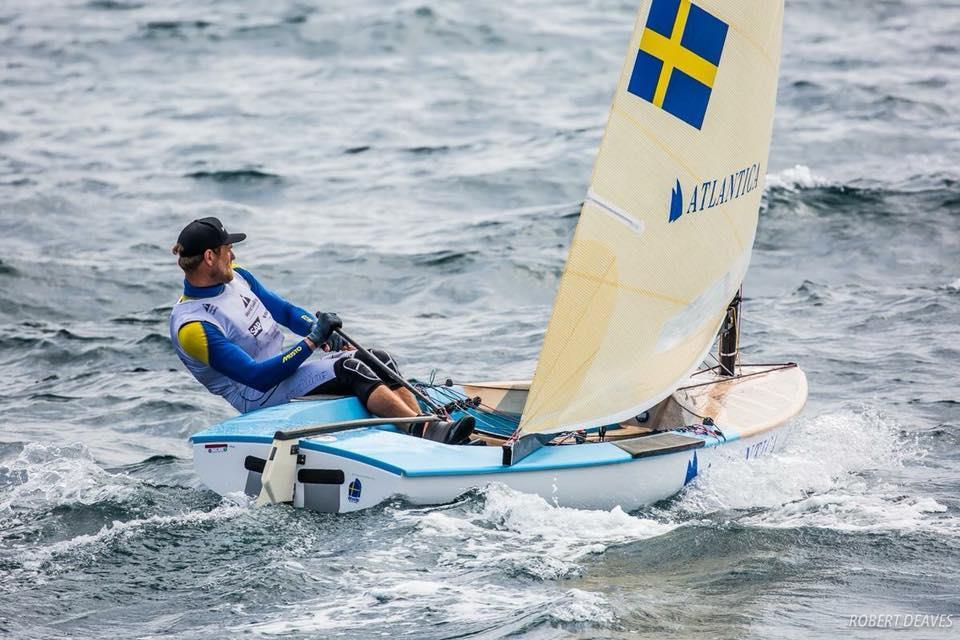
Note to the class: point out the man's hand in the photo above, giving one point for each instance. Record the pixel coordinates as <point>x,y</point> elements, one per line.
<point>336,343</point>
<point>324,327</point>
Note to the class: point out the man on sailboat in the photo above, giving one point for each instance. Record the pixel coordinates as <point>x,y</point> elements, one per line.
<point>225,329</point>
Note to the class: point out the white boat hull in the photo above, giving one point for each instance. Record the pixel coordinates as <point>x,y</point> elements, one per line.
<point>353,470</point>
<point>630,485</point>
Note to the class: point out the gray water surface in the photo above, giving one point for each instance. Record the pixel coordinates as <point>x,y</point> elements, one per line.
<point>418,168</point>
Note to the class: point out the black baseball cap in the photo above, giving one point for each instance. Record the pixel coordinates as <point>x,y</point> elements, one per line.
<point>203,234</point>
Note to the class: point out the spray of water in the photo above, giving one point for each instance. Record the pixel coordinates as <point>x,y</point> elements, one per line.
<point>838,471</point>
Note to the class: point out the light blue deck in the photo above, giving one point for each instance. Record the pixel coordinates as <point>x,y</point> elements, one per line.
<point>412,457</point>
<point>259,426</point>
<point>388,449</point>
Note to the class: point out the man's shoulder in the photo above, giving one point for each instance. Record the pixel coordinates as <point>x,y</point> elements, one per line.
<point>193,310</point>
<point>242,271</point>
<point>245,276</point>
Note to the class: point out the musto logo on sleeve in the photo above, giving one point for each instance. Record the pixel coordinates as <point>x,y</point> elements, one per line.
<point>678,59</point>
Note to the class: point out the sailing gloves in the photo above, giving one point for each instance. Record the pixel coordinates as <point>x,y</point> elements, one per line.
<point>323,328</point>
<point>336,342</point>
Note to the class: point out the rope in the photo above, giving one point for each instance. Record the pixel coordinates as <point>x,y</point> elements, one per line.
<point>489,420</point>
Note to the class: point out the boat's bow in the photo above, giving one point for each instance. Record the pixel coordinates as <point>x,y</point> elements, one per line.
<point>760,398</point>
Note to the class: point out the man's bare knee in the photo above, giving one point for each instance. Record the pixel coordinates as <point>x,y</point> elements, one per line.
<point>386,403</point>
<point>408,398</point>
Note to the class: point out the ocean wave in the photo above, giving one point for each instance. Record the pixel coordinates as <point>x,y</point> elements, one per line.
<point>822,453</point>
<point>135,320</point>
<point>529,536</point>
<point>469,547</point>
<point>88,546</point>
<point>7,270</point>
<point>581,606</point>
<point>157,339</point>
<point>444,258</point>
<point>835,472</point>
<point>936,186</point>
<point>52,476</point>
<point>52,397</point>
<point>403,603</point>
<point>793,179</point>
<point>864,509</point>
<point>236,176</point>
<point>168,26</point>
<point>114,5</point>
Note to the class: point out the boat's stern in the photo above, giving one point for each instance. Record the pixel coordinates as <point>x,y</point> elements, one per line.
<point>229,466</point>
<point>229,457</point>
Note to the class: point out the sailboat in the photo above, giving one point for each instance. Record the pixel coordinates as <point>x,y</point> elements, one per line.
<point>628,403</point>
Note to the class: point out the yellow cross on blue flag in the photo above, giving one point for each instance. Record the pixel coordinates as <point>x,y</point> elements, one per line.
<point>677,62</point>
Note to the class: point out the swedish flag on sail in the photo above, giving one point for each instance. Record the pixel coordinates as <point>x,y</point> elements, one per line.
<point>678,59</point>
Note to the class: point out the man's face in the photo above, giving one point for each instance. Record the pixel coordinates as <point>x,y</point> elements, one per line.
<point>220,270</point>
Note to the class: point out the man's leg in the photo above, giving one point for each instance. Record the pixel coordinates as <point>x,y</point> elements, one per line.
<point>380,400</point>
<point>408,398</point>
<point>349,375</point>
<point>447,432</point>
<point>387,360</point>
<point>386,403</point>
<point>376,396</point>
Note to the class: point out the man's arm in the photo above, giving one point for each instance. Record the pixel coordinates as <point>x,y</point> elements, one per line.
<point>205,342</point>
<point>298,320</point>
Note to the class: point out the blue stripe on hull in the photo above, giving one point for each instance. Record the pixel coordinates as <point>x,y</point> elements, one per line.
<point>204,439</point>
<point>414,457</point>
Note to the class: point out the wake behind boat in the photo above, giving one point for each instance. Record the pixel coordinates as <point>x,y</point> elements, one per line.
<point>620,410</point>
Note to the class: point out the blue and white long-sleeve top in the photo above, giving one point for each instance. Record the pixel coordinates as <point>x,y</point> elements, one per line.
<point>228,337</point>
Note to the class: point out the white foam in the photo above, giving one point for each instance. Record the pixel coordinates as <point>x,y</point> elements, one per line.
<point>473,545</point>
<point>313,617</point>
<point>799,177</point>
<point>567,530</point>
<point>381,589</point>
<point>583,606</point>
<point>821,452</point>
<point>60,475</point>
<point>877,510</point>
<point>398,602</point>
<point>835,472</point>
<point>526,533</point>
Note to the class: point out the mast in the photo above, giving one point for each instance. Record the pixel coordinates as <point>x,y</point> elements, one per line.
<point>729,343</point>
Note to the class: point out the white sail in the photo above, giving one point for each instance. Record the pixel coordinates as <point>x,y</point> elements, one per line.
<point>665,233</point>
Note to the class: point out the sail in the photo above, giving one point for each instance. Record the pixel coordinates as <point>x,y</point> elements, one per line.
<point>666,230</point>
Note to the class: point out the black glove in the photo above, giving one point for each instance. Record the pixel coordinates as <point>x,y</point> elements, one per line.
<point>336,342</point>
<point>325,325</point>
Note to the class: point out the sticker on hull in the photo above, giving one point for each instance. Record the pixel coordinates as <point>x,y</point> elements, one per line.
<point>354,490</point>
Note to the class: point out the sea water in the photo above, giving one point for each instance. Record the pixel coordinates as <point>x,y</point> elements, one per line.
<point>418,168</point>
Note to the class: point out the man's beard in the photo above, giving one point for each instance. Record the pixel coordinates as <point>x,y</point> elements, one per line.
<point>221,275</point>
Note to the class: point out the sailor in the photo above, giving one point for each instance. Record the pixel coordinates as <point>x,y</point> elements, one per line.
<point>226,330</point>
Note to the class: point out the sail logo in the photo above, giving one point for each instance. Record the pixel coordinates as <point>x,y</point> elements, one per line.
<point>692,470</point>
<point>679,55</point>
<point>676,202</point>
<point>713,193</point>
